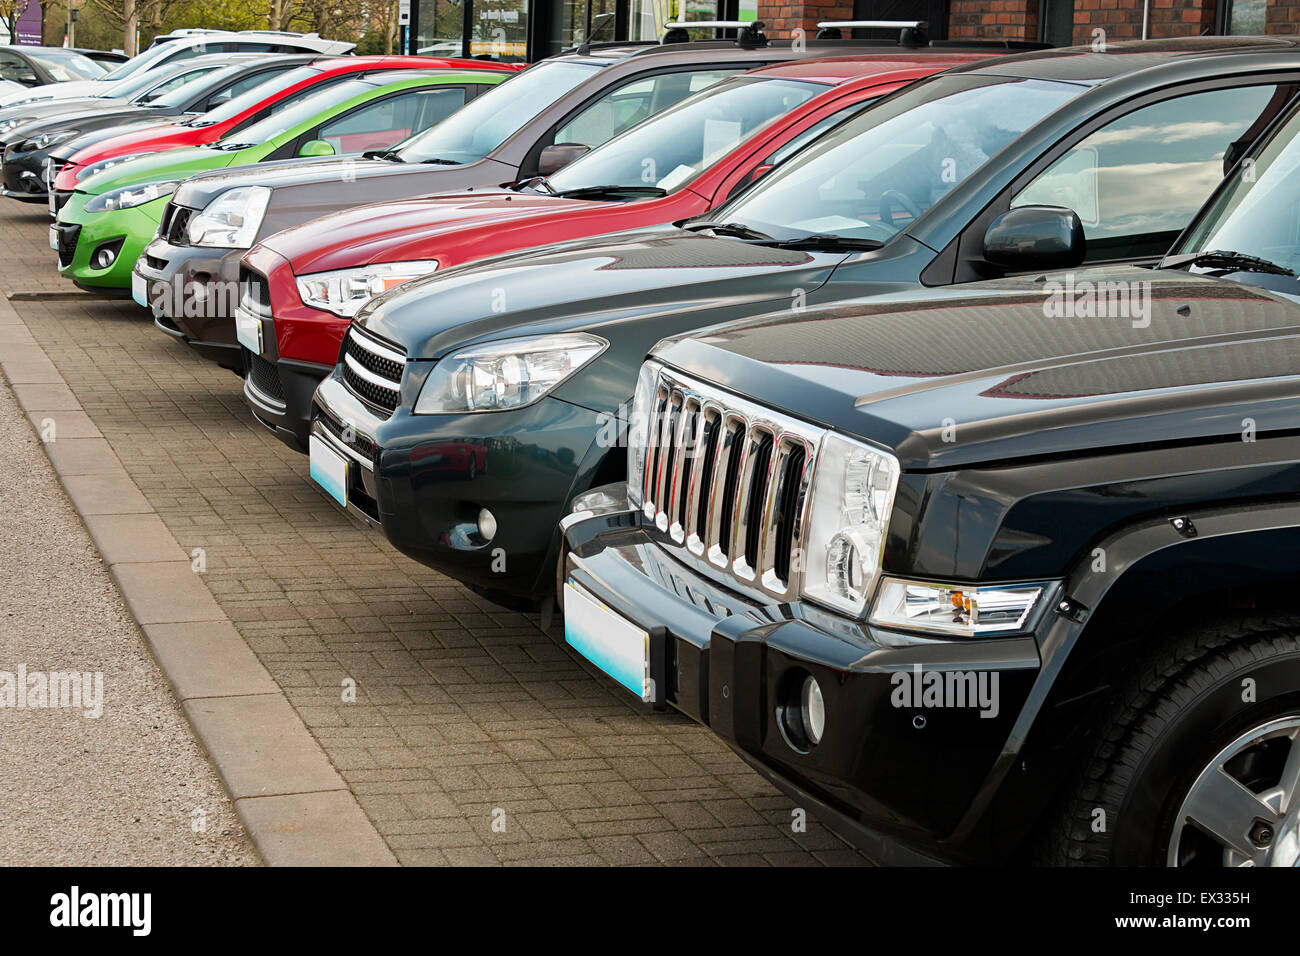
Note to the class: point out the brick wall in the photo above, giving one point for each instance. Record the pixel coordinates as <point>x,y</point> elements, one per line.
<point>1000,19</point>
<point>1282,16</point>
<point>782,19</point>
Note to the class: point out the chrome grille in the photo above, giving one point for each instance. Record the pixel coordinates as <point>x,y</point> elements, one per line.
<point>729,481</point>
<point>254,292</point>
<point>174,225</point>
<point>372,370</point>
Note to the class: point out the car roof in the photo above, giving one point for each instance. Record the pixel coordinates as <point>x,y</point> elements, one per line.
<point>1083,64</point>
<point>835,70</point>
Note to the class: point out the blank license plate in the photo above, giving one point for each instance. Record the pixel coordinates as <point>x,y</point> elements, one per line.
<point>329,469</point>
<point>614,644</point>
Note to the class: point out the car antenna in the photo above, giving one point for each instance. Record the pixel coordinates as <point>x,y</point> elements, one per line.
<point>598,23</point>
<point>911,32</point>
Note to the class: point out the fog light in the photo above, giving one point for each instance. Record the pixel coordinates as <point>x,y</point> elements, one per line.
<point>105,257</point>
<point>487,525</point>
<point>812,709</point>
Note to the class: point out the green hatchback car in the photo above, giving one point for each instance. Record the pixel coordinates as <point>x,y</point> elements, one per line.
<point>112,216</point>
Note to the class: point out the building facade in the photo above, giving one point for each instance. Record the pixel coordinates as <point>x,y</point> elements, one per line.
<point>533,29</point>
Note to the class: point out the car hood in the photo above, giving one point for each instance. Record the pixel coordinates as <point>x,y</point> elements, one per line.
<point>158,167</point>
<point>131,130</point>
<point>995,370</point>
<point>639,276</point>
<point>349,171</point>
<point>28,112</point>
<point>70,119</point>
<point>58,91</point>
<point>413,228</point>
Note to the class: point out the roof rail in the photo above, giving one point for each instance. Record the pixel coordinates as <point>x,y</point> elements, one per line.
<point>911,32</point>
<point>749,37</point>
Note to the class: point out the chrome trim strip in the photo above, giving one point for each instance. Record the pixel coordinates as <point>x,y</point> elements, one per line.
<point>362,372</point>
<point>375,347</point>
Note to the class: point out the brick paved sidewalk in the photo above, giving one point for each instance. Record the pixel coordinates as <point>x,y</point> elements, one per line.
<point>464,711</point>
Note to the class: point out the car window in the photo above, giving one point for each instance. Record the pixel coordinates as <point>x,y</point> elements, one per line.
<point>68,66</point>
<point>302,111</point>
<point>623,107</point>
<point>15,69</point>
<point>493,117</point>
<point>139,64</point>
<point>873,175</point>
<point>789,148</point>
<point>672,148</point>
<point>1137,181</point>
<point>389,121</point>
<point>174,85</point>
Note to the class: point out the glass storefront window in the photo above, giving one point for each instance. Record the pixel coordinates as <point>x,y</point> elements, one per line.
<point>1245,17</point>
<point>500,29</point>
<point>441,25</point>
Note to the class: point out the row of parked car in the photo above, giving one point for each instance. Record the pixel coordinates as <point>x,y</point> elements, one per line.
<point>919,417</point>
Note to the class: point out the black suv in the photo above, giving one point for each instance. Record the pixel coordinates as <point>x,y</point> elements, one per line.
<point>524,361</point>
<point>1003,574</point>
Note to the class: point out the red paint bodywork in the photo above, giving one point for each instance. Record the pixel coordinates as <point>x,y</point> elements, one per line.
<point>173,135</point>
<point>454,228</point>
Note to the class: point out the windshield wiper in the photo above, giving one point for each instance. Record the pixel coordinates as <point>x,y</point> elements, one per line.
<point>613,188</point>
<point>737,229</point>
<point>1226,259</point>
<point>537,182</point>
<point>437,161</point>
<point>388,155</point>
<point>826,241</point>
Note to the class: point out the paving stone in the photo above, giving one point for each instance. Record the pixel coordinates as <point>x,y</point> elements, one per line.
<point>133,538</point>
<point>207,659</point>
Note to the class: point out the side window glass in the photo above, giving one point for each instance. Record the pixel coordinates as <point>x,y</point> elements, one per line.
<point>12,67</point>
<point>622,108</point>
<point>1136,182</point>
<point>389,121</point>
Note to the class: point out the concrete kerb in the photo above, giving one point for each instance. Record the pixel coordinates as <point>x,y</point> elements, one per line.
<point>293,803</point>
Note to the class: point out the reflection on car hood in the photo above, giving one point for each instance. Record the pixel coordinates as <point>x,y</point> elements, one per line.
<point>641,276</point>
<point>994,370</point>
<point>413,228</point>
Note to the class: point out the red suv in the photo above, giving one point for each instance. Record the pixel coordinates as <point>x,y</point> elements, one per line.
<point>302,286</point>
<point>243,110</point>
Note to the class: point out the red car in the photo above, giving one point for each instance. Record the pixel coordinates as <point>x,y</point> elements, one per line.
<point>246,108</point>
<point>311,279</point>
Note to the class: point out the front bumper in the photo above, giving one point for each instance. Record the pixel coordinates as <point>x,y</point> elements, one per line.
<point>299,348</point>
<point>24,175</point>
<point>82,234</point>
<point>424,479</point>
<point>896,777</point>
<point>201,286</point>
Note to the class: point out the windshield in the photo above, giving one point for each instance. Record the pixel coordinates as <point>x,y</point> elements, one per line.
<point>136,64</point>
<point>306,109</point>
<point>181,95</point>
<point>68,66</point>
<point>488,120</point>
<point>252,97</point>
<point>875,174</point>
<point>671,149</point>
<point>1257,212</point>
<point>132,86</point>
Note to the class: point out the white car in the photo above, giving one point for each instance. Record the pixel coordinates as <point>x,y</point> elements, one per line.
<point>181,44</point>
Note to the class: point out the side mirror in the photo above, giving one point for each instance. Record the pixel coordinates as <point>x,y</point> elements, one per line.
<point>556,157</point>
<point>1035,237</point>
<point>315,147</point>
<point>29,79</point>
<point>224,97</point>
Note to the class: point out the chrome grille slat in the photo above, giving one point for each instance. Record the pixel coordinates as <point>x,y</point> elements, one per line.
<point>730,481</point>
<point>372,371</point>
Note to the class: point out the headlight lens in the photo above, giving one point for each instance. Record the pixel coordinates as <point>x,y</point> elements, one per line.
<point>853,494</point>
<point>345,291</point>
<point>86,172</point>
<point>506,374</point>
<point>128,197</point>
<point>955,609</point>
<point>232,219</point>
<point>638,426</point>
<point>50,139</point>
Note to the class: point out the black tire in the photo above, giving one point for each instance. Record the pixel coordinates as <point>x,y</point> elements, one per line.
<point>1177,711</point>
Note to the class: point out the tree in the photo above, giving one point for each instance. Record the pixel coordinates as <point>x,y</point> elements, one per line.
<point>11,12</point>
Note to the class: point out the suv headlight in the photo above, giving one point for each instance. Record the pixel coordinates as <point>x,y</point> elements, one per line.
<point>637,427</point>
<point>956,609</point>
<point>852,496</point>
<point>128,197</point>
<point>86,172</point>
<point>345,291</point>
<point>510,373</point>
<point>232,219</point>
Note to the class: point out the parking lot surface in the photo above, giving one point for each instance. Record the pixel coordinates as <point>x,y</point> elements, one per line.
<point>474,737</point>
